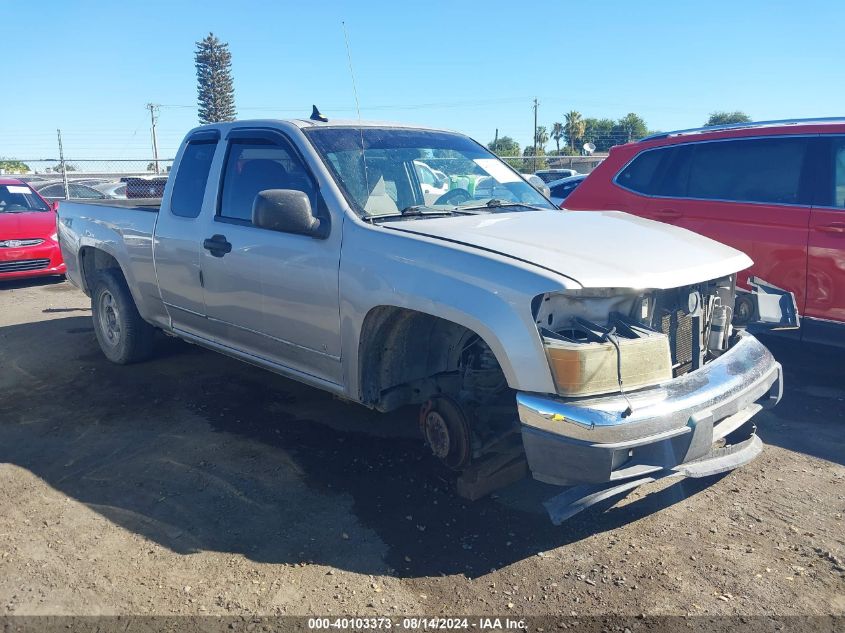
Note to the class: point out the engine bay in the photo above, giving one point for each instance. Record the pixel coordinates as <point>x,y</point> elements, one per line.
<point>598,339</point>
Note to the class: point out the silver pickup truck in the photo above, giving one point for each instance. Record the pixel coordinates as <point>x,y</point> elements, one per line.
<point>359,258</point>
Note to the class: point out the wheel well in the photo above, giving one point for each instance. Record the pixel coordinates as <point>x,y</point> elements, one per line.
<point>406,356</point>
<point>92,261</point>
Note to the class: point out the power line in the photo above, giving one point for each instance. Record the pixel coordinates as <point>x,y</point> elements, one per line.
<point>396,106</point>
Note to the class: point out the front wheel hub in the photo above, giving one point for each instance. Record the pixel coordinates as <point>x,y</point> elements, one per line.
<point>447,431</point>
<point>436,434</point>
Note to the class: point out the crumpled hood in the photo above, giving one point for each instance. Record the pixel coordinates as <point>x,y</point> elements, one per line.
<point>25,225</point>
<point>601,249</point>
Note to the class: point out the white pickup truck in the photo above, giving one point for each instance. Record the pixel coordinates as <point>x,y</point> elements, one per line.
<point>599,345</point>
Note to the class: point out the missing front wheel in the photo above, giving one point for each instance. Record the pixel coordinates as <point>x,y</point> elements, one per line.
<point>447,432</point>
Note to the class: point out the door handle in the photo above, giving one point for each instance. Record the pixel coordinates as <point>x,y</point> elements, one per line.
<point>217,245</point>
<point>833,227</point>
<point>668,214</point>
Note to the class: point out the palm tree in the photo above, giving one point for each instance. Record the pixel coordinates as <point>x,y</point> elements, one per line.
<point>557,134</point>
<point>574,126</point>
<point>542,138</point>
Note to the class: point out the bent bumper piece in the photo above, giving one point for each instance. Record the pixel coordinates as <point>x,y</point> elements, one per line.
<point>672,428</point>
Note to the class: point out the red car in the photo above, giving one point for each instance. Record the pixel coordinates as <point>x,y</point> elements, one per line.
<point>775,190</point>
<point>28,244</point>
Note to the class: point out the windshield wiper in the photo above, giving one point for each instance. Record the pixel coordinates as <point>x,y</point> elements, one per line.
<point>495,203</point>
<point>421,209</point>
<point>415,210</point>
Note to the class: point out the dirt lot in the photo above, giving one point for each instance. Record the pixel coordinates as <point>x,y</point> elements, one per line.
<point>196,484</point>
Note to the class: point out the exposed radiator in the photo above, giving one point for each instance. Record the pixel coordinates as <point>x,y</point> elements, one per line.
<point>678,326</point>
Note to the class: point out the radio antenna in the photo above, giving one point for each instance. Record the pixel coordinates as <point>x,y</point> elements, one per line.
<point>358,109</point>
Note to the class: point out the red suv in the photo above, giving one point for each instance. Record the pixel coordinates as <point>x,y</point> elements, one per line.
<point>28,244</point>
<point>775,190</point>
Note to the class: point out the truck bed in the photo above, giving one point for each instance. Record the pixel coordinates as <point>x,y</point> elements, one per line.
<point>121,228</point>
<point>141,204</point>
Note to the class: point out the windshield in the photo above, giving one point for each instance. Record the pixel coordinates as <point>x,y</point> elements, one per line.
<point>400,169</point>
<point>19,199</point>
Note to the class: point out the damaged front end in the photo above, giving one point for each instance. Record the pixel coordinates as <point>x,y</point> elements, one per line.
<point>648,383</point>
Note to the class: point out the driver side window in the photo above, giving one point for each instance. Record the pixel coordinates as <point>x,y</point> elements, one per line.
<point>255,166</point>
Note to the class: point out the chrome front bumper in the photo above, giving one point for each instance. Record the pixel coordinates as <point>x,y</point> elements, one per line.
<point>588,441</point>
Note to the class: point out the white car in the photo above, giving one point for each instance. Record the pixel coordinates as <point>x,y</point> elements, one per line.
<point>538,183</point>
<point>433,182</point>
<point>112,189</point>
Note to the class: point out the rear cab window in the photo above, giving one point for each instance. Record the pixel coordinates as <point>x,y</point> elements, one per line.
<point>191,179</point>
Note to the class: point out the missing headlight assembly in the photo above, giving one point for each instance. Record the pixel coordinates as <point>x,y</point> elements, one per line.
<point>596,340</point>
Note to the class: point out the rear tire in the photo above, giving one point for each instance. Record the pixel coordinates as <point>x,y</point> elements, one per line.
<point>123,335</point>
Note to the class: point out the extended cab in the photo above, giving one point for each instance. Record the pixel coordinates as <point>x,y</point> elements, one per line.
<point>598,344</point>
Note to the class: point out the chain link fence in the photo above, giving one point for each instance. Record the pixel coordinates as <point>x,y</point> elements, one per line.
<point>531,164</point>
<point>55,179</point>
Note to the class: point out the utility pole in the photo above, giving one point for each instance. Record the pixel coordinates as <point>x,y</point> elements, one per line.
<point>62,164</point>
<point>496,142</point>
<point>153,108</point>
<point>536,105</point>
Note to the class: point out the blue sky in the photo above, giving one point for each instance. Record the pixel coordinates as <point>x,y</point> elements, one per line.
<point>90,67</point>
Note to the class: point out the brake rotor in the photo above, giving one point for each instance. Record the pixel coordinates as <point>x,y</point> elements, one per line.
<point>743,310</point>
<point>447,432</point>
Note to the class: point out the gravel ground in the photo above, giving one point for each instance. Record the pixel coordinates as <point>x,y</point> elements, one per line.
<point>195,484</point>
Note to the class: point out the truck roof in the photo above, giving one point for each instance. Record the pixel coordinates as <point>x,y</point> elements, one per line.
<point>309,123</point>
<point>305,123</point>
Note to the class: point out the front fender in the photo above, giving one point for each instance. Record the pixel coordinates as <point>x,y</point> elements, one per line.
<point>485,292</point>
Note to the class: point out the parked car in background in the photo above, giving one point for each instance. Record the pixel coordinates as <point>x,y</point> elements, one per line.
<point>548,175</point>
<point>433,183</point>
<point>33,179</point>
<point>145,187</point>
<point>55,190</point>
<point>115,190</point>
<point>560,189</point>
<point>538,183</point>
<point>775,190</point>
<point>486,188</point>
<point>28,243</point>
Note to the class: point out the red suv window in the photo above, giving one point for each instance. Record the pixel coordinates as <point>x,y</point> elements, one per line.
<point>763,170</point>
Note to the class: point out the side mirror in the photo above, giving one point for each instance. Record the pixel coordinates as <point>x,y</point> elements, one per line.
<point>54,206</point>
<point>286,211</point>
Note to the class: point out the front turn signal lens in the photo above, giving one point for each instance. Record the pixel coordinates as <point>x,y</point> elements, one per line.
<point>588,368</point>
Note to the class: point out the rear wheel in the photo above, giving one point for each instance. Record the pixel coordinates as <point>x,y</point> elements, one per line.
<point>123,335</point>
